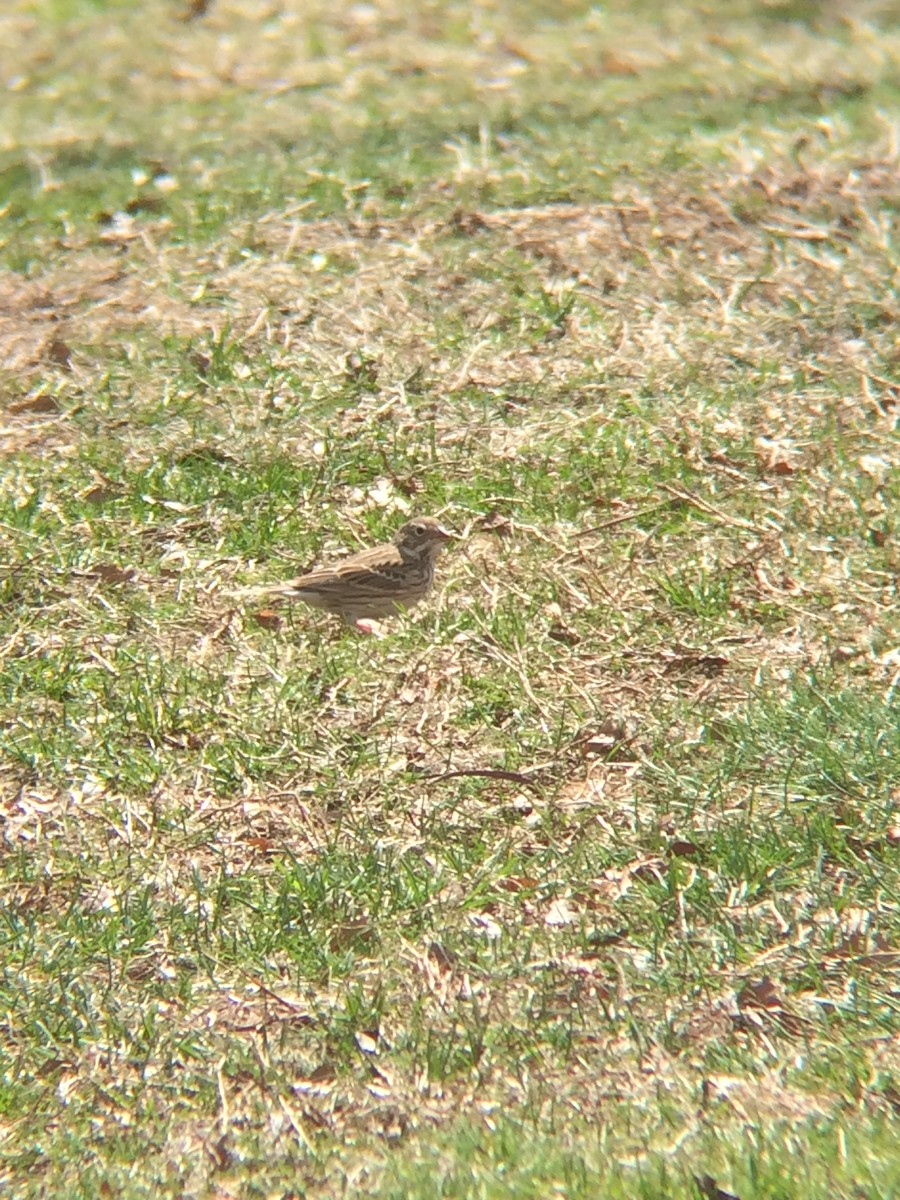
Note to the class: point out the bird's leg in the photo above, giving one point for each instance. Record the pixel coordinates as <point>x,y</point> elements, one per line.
<point>366,627</point>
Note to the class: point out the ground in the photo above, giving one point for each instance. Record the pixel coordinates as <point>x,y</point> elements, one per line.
<point>583,880</point>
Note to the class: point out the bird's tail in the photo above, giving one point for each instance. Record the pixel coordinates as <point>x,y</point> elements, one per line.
<point>261,592</point>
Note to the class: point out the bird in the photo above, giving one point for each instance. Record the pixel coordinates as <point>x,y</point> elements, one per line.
<point>376,583</point>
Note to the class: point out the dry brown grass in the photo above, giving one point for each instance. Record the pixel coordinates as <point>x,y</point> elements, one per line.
<point>599,840</point>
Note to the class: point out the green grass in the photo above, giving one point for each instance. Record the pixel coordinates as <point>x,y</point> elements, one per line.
<point>239,135</point>
<point>582,879</point>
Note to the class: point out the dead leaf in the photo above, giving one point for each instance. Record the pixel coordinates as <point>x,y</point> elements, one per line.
<point>183,741</point>
<point>205,454</point>
<point>517,883</point>
<point>777,457</point>
<point>467,223</point>
<point>58,352</point>
<point>323,1073</point>
<point>560,913</point>
<point>866,951</point>
<point>559,632</point>
<point>268,618</point>
<point>651,869</point>
<point>110,573</point>
<point>263,844</point>
<point>100,494</point>
<point>684,659</point>
<point>710,1190</point>
<point>486,925</point>
<point>121,228</point>
<point>495,522</point>
<point>614,64</point>
<point>616,882</point>
<point>610,741</point>
<point>760,994</point>
<point>876,466</point>
<point>361,367</point>
<point>193,10</point>
<point>367,1040</point>
<point>350,933</point>
<point>443,958</point>
<point>683,849</point>
<point>842,654</point>
<point>34,404</point>
<point>150,204</point>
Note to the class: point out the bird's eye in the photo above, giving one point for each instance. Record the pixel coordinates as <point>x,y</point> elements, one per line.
<point>419,529</point>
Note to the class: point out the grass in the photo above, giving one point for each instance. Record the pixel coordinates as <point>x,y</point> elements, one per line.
<point>583,879</point>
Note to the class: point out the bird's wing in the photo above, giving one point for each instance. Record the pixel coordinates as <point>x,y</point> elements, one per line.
<point>358,571</point>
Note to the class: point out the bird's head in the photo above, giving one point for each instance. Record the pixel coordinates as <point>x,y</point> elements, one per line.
<point>421,535</point>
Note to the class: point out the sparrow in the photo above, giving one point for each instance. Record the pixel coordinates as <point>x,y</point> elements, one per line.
<point>376,583</point>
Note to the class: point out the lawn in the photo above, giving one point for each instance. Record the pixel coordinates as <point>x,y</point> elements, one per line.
<point>584,880</point>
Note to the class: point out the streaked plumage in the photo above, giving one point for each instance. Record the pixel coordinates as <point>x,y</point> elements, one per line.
<point>375,583</point>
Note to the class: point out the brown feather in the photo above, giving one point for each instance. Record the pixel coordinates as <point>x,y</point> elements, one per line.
<point>374,583</point>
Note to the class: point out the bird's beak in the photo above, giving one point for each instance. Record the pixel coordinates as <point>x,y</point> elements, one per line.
<point>444,534</point>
